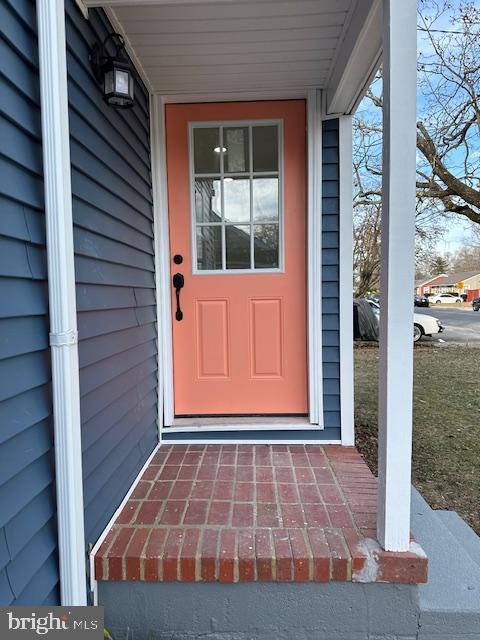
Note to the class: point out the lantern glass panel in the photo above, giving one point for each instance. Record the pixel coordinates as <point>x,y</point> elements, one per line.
<point>122,81</point>
<point>109,81</point>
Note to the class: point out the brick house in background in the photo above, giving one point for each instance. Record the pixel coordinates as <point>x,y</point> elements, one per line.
<point>461,282</point>
<point>423,286</point>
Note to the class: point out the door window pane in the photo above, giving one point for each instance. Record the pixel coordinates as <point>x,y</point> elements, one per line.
<point>235,141</point>
<point>265,242</point>
<point>209,248</point>
<point>238,246</point>
<point>265,148</point>
<point>265,199</point>
<point>208,200</point>
<point>237,204</point>
<point>237,199</point>
<point>206,149</point>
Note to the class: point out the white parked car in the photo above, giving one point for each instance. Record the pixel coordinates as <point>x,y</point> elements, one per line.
<point>423,325</point>
<point>375,307</point>
<point>445,298</point>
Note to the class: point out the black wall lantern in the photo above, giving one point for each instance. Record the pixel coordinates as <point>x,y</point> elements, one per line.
<point>114,72</point>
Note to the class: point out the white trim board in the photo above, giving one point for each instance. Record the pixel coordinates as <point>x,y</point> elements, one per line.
<point>133,3</point>
<point>314,256</point>
<point>162,262</point>
<point>236,96</point>
<point>249,421</point>
<point>241,423</point>
<point>239,428</point>
<point>356,60</point>
<point>231,426</point>
<point>83,8</point>
<point>155,159</point>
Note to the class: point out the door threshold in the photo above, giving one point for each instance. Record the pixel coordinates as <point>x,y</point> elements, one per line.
<point>241,423</point>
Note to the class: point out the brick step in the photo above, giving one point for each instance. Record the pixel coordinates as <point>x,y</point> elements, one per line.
<point>244,513</point>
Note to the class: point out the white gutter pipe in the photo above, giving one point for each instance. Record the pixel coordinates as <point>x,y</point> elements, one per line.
<point>63,309</point>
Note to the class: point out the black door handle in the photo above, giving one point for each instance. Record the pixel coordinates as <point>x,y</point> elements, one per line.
<point>178,283</point>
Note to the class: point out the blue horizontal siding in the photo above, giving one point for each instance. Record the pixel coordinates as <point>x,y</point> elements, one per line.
<point>112,491</point>
<point>94,323</point>
<point>24,410</point>
<point>110,415</point>
<point>21,222</point>
<point>28,537</point>
<point>330,276</point>
<point>17,71</point>
<point>115,280</point>
<point>20,336</point>
<point>22,260</point>
<point>99,297</point>
<point>102,397</point>
<point>20,36</point>
<point>17,146</point>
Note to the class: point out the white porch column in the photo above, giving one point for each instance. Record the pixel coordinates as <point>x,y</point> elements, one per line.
<point>397,273</point>
<point>63,309</point>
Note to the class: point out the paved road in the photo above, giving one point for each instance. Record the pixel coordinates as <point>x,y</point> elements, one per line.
<point>461,325</point>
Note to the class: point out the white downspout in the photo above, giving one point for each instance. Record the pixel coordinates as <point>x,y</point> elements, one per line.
<point>63,310</point>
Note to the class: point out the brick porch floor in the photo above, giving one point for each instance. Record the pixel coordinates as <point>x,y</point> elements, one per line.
<point>254,512</point>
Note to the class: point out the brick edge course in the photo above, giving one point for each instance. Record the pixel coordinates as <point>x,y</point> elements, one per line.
<point>190,554</point>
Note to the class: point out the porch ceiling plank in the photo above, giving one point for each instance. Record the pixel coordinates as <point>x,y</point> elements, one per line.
<point>287,47</point>
<point>292,82</point>
<point>357,58</point>
<point>235,70</point>
<point>154,59</point>
<point>166,3</point>
<point>212,24</point>
<point>226,10</point>
<point>232,37</point>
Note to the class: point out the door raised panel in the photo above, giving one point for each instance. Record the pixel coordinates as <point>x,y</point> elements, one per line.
<point>211,339</point>
<point>266,338</point>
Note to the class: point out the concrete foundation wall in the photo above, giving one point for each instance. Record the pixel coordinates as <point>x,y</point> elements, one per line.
<point>268,611</point>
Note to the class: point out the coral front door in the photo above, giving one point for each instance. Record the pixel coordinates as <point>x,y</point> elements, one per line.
<point>237,216</point>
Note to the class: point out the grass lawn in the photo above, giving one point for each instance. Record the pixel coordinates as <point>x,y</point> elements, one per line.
<point>446,434</point>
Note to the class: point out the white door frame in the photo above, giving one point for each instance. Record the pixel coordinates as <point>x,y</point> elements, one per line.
<point>162,248</point>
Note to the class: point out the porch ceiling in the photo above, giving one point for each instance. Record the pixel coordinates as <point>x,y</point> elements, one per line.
<point>220,46</point>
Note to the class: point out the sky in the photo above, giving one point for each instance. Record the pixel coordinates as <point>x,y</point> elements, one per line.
<point>458,232</point>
